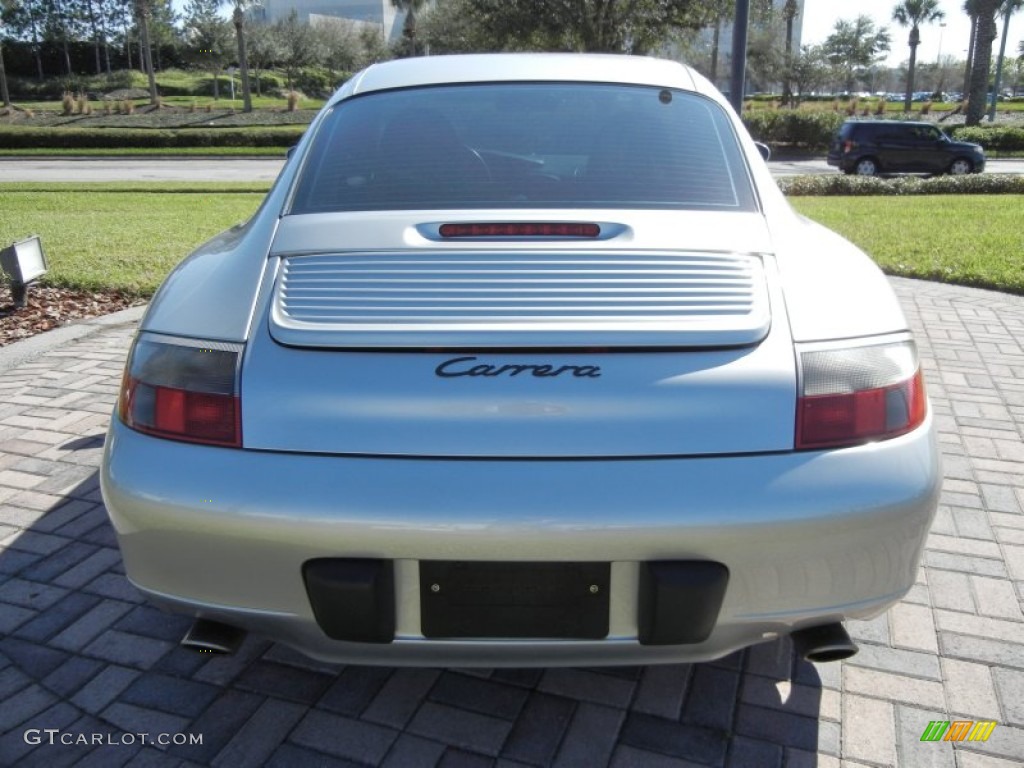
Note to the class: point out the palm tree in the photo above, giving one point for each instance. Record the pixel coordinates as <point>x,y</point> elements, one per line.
<point>970,7</point>
<point>1006,10</point>
<point>238,18</point>
<point>982,62</point>
<point>411,8</point>
<point>913,13</point>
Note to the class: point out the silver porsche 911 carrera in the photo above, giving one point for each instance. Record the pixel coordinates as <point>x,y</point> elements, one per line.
<point>524,360</point>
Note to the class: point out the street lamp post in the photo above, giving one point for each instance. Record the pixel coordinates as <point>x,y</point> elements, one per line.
<point>739,54</point>
<point>938,60</point>
<point>999,62</point>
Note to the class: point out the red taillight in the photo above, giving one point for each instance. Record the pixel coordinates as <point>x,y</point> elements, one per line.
<point>849,146</point>
<point>521,229</point>
<point>183,389</point>
<point>857,395</point>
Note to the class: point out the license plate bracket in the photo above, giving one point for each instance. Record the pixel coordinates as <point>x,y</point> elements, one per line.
<point>467,599</point>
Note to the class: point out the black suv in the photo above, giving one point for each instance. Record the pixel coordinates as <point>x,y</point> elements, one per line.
<point>871,147</point>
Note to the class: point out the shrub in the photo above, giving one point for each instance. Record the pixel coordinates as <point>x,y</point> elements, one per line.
<point>19,137</point>
<point>127,107</point>
<point>824,185</point>
<point>67,103</point>
<point>314,81</point>
<point>793,127</point>
<point>293,101</point>
<point>268,82</point>
<point>1001,138</point>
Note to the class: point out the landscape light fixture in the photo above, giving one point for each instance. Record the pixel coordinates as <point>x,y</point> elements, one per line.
<point>24,262</point>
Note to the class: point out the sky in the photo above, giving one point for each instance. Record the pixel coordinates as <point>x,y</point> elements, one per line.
<point>821,15</point>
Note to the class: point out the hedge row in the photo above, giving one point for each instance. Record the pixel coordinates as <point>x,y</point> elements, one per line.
<point>814,130</point>
<point>840,185</point>
<point>119,138</point>
<point>310,80</point>
<point>1001,138</point>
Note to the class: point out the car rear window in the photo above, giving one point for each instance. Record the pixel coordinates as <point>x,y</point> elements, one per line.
<point>549,145</point>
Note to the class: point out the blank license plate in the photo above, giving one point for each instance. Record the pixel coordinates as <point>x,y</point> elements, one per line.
<point>461,599</point>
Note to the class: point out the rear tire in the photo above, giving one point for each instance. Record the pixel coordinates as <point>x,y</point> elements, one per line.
<point>960,166</point>
<point>866,166</point>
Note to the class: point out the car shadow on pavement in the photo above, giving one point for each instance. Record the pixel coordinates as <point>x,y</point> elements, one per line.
<point>90,674</point>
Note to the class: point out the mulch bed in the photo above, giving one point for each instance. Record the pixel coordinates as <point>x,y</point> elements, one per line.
<point>48,307</point>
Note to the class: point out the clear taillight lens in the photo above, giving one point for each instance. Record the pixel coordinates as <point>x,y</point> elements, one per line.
<point>183,389</point>
<point>856,395</point>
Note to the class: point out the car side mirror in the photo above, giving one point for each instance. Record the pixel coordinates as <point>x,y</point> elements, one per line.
<point>291,151</point>
<point>765,150</point>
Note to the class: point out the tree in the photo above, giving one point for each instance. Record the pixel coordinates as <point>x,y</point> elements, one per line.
<point>722,12</point>
<point>451,27</point>
<point>982,61</point>
<point>92,15</point>
<point>371,48</point>
<point>914,13</point>
<point>608,26</point>
<point>766,61</point>
<point>340,44</point>
<point>262,51</point>
<point>299,45</point>
<point>970,7</point>
<point>411,8</point>
<point>807,69</point>
<point>854,46</point>
<point>241,7</point>
<point>162,30</point>
<point>1006,10</point>
<point>143,11</point>
<point>27,20</point>
<point>59,19</point>
<point>5,7</point>
<point>209,37</point>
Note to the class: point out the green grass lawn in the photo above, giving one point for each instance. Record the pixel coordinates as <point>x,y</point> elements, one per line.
<point>964,239</point>
<point>127,236</point>
<point>121,236</point>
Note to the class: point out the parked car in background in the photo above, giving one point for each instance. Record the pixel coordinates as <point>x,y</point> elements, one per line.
<point>524,360</point>
<point>873,147</point>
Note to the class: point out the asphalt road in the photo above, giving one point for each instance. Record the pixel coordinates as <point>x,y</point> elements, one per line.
<point>266,169</point>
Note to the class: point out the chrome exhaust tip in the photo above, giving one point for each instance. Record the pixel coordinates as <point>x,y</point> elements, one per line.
<point>208,636</point>
<point>828,642</point>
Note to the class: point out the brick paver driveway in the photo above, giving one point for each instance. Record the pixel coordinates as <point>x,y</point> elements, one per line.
<point>82,660</point>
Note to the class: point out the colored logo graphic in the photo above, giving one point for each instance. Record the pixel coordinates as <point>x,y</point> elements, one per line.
<point>958,730</point>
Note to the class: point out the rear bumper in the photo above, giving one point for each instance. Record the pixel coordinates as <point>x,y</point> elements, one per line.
<point>807,538</point>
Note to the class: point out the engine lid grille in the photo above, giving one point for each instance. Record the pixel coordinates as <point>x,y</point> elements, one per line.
<point>515,299</point>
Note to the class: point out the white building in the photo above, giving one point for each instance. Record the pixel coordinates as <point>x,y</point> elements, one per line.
<point>376,12</point>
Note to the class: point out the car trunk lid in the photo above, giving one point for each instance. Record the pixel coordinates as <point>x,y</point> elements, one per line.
<point>488,293</point>
<point>485,350</point>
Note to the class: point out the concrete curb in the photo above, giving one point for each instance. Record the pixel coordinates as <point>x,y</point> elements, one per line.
<point>19,352</point>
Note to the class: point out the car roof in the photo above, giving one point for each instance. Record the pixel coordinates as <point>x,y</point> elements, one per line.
<point>853,121</point>
<point>520,67</point>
